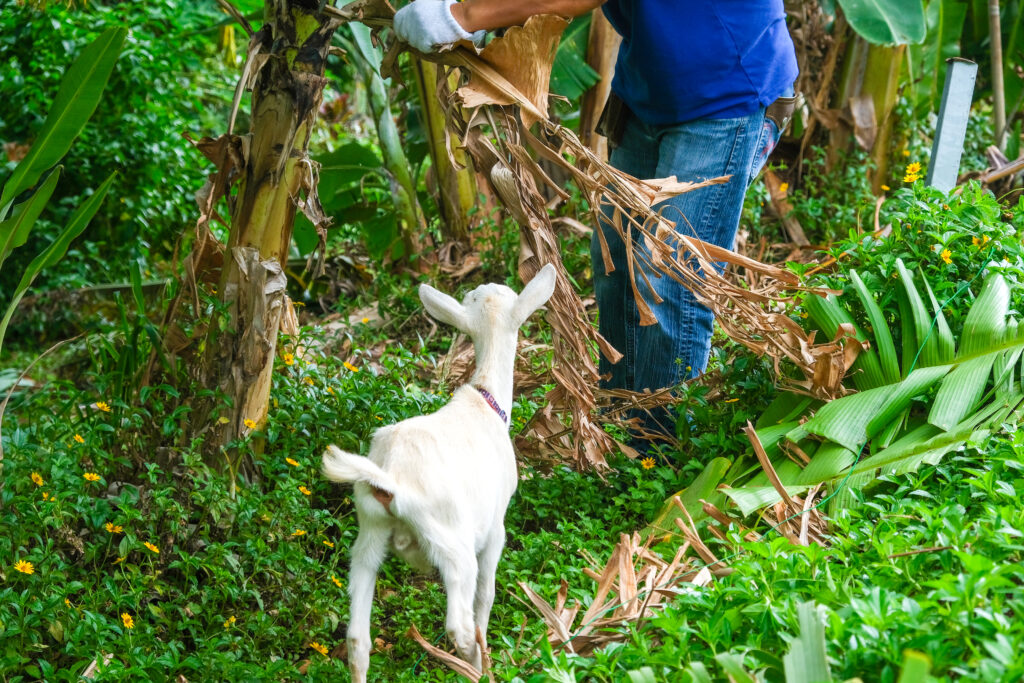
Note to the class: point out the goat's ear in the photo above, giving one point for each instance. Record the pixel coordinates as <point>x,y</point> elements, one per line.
<point>444,308</point>
<point>535,294</point>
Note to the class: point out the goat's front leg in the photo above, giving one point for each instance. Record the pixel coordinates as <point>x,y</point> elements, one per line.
<point>459,572</point>
<point>487,562</point>
<point>367,554</point>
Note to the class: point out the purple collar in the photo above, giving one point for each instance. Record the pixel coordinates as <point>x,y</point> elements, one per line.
<point>493,403</point>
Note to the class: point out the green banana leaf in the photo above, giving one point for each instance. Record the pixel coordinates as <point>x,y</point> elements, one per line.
<point>76,100</point>
<point>807,659</point>
<point>886,22</point>
<point>827,314</point>
<point>571,76</point>
<point>14,231</point>
<point>882,342</point>
<point>703,487</point>
<point>53,253</point>
<point>944,21</point>
<point>985,324</point>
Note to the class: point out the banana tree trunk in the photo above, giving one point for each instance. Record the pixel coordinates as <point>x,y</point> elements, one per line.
<point>456,180</point>
<point>869,86</point>
<point>240,345</point>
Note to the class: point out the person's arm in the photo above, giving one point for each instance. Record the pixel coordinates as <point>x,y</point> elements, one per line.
<point>487,15</point>
<point>431,24</point>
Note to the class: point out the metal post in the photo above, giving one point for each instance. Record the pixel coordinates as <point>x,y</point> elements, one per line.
<point>951,130</point>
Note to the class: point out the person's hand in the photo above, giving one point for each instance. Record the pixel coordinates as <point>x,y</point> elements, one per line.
<point>428,25</point>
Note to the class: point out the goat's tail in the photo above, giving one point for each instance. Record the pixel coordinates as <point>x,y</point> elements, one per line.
<point>348,467</point>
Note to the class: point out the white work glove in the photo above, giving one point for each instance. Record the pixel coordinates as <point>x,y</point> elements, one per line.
<point>428,25</point>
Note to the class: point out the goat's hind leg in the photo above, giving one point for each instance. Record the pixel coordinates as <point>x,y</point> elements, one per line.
<point>458,571</point>
<point>487,562</point>
<point>367,554</point>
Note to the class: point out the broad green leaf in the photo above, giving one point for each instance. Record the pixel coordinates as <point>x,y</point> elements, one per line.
<point>926,343</point>
<point>53,253</point>
<point>945,345</point>
<point>364,45</point>
<point>703,487</point>
<point>829,462</point>
<point>944,21</point>
<point>886,22</point>
<point>828,314</point>
<point>571,76</point>
<point>76,100</point>
<point>851,420</point>
<point>732,664</point>
<point>14,231</point>
<point>882,342</point>
<point>985,323</point>
<point>750,499</point>
<point>699,673</point>
<point>807,659</point>
<point>908,452</point>
<point>644,674</point>
<point>787,406</point>
<point>916,667</point>
<point>984,326</point>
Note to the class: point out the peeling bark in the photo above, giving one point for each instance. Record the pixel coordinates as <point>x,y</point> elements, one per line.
<point>289,54</point>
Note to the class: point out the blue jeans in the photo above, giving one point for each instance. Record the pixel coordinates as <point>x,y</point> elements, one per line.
<point>677,348</point>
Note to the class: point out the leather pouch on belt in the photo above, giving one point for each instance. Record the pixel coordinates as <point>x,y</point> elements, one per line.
<point>612,123</point>
<point>781,111</point>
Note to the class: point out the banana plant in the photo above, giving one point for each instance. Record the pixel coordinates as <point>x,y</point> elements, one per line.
<point>80,92</point>
<point>914,405</point>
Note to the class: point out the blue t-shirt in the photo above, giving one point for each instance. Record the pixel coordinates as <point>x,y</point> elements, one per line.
<point>682,60</point>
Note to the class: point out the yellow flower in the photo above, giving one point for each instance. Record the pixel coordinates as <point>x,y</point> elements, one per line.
<point>946,253</point>
<point>152,547</point>
<point>25,567</point>
<point>378,417</point>
<point>319,648</point>
<point>37,480</point>
<point>783,188</point>
<point>648,463</point>
<point>309,381</point>
<point>979,243</point>
<point>249,423</point>
<point>305,491</point>
<point>885,188</point>
<point>102,405</point>
<point>289,359</point>
<point>335,580</point>
<point>113,528</point>
<point>119,560</point>
<point>292,462</point>
<point>914,168</point>
<point>330,391</point>
<point>127,620</point>
<point>67,602</point>
<point>910,178</point>
<point>79,439</point>
<point>91,476</point>
<point>350,367</point>
<point>328,544</point>
<point>230,621</point>
<point>906,152</point>
<point>46,496</point>
<point>730,400</point>
<point>298,532</point>
<point>365,320</point>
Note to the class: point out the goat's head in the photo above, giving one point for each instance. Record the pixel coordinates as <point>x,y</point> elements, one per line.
<point>490,308</point>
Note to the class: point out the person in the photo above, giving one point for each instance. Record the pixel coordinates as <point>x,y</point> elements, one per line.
<point>702,89</point>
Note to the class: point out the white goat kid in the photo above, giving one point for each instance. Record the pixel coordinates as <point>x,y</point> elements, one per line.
<point>436,487</point>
